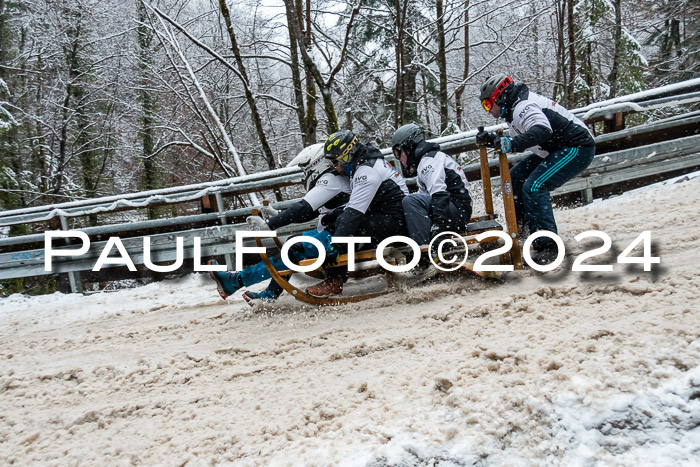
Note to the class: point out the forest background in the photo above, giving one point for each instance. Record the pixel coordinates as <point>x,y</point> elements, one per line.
<point>103,97</point>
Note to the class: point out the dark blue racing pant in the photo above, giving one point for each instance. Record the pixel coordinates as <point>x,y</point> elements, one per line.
<point>533,180</point>
<point>299,251</point>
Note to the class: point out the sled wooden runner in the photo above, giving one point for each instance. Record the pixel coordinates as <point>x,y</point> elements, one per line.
<point>301,295</point>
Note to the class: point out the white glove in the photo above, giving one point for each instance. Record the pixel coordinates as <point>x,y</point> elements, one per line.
<point>269,211</point>
<point>256,223</point>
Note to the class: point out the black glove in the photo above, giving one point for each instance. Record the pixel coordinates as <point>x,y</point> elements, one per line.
<point>486,138</point>
<point>329,219</point>
<point>331,257</point>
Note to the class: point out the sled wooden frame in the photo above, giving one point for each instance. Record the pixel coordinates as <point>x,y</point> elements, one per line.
<point>301,295</point>
<point>476,226</point>
<point>365,258</point>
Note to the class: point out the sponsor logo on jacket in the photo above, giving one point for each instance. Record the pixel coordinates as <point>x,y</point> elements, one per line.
<point>359,180</point>
<point>524,111</point>
<point>427,170</point>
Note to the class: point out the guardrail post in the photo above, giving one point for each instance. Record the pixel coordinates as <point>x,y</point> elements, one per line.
<point>222,220</point>
<point>616,123</point>
<point>587,193</point>
<point>73,277</point>
<point>207,203</point>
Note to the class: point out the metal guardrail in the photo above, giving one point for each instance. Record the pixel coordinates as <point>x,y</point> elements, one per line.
<point>605,169</point>
<point>216,240</point>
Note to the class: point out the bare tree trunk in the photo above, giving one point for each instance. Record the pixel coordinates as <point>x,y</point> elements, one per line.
<point>311,120</point>
<point>460,90</point>
<point>267,150</point>
<point>150,169</point>
<point>324,86</point>
<point>399,92</point>
<point>560,78</point>
<point>572,53</point>
<point>617,39</point>
<point>426,103</point>
<point>675,34</point>
<point>294,43</point>
<point>536,49</point>
<point>442,65</point>
<point>66,112</point>
<point>313,69</point>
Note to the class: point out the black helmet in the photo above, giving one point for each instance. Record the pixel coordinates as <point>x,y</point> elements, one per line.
<point>341,147</point>
<point>406,138</point>
<point>492,91</point>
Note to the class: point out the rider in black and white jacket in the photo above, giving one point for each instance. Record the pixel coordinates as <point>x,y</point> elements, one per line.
<point>443,201</point>
<point>374,208</point>
<point>562,145</point>
<point>327,190</point>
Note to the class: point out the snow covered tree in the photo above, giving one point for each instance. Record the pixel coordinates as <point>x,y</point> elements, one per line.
<point>673,28</point>
<point>609,59</point>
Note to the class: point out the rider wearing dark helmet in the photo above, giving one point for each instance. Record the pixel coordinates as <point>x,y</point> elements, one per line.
<point>443,202</point>
<point>562,145</point>
<point>374,209</point>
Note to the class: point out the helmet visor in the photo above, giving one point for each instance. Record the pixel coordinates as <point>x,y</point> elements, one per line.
<point>401,156</point>
<point>487,104</point>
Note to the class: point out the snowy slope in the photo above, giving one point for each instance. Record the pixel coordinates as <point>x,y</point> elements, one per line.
<point>557,369</point>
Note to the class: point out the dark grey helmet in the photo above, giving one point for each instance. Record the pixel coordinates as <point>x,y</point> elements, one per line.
<point>500,81</point>
<point>407,135</point>
<point>406,138</point>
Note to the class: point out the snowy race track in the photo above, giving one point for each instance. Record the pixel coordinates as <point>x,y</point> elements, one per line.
<point>557,369</point>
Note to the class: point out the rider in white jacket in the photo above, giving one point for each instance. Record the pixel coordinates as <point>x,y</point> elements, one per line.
<point>443,201</point>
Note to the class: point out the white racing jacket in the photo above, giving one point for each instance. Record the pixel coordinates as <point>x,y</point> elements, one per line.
<point>541,125</point>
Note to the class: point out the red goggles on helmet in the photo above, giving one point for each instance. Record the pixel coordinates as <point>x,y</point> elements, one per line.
<point>487,104</point>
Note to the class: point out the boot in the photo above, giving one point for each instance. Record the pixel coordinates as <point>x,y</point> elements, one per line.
<point>267,296</point>
<point>545,256</point>
<point>227,282</point>
<point>326,288</point>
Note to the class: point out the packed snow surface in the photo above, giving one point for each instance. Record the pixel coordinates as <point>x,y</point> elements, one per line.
<point>561,368</point>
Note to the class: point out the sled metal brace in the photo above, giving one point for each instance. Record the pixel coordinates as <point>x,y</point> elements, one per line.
<point>485,177</point>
